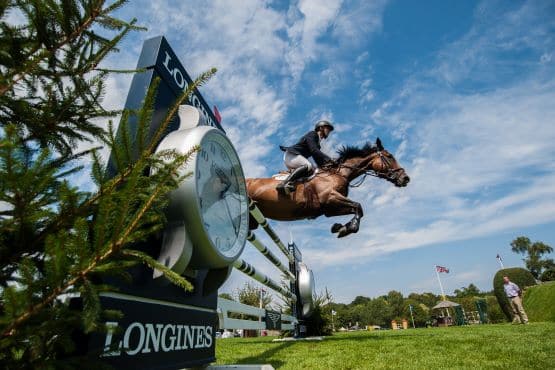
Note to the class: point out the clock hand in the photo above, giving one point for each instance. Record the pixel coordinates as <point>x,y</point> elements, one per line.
<point>229,214</point>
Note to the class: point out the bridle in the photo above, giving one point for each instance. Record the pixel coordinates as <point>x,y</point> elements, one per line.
<point>390,174</point>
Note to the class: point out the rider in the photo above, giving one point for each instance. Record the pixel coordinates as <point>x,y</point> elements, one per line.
<point>295,156</point>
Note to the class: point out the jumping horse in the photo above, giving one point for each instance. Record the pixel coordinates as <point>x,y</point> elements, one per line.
<point>326,192</point>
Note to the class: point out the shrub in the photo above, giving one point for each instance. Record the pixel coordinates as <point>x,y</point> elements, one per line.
<point>495,314</point>
<point>538,302</point>
<point>548,275</point>
<point>319,323</point>
<point>521,277</point>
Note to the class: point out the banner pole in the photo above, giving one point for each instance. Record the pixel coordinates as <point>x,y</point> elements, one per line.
<point>440,285</point>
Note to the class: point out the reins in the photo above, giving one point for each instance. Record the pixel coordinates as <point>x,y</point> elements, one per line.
<point>389,174</point>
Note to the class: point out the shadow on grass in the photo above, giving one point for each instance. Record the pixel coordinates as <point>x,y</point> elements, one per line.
<point>263,357</point>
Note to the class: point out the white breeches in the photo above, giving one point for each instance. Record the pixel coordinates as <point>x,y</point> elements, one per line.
<point>293,161</point>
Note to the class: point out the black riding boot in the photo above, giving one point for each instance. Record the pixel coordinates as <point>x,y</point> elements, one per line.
<point>287,186</point>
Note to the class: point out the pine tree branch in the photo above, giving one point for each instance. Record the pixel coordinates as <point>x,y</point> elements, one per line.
<point>121,177</point>
<point>112,249</point>
<point>35,60</point>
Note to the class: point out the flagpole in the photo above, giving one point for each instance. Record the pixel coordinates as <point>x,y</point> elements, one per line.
<point>411,316</point>
<point>500,261</point>
<point>440,285</point>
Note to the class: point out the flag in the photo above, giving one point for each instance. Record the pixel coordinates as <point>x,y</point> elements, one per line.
<point>499,257</point>
<point>217,115</point>
<point>442,269</point>
<point>333,312</point>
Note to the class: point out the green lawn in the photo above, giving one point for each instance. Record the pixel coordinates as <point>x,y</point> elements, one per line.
<point>499,346</point>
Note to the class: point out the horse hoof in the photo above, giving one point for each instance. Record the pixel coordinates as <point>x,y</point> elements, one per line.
<point>343,232</point>
<point>336,227</point>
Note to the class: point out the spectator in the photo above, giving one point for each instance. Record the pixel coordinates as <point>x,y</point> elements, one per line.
<point>514,294</point>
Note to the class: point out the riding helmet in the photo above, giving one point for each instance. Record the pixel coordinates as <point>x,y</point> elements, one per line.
<point>323,123</point>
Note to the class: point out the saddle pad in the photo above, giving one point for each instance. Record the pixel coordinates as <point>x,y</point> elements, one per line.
<point>283,175</point>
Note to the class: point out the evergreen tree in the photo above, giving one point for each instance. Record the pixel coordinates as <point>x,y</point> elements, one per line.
<point>56,240</point>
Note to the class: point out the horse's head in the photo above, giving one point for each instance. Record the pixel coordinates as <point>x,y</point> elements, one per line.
<point>385,165</point>
<point>373,160</point>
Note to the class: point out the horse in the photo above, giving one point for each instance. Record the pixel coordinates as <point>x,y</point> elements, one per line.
<point>326,192</point>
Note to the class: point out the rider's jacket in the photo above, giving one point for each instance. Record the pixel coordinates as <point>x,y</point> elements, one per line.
<point>308,145</point>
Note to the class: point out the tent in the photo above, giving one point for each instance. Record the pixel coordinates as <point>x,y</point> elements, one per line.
<point>459,314</point>
<point>445,304</point>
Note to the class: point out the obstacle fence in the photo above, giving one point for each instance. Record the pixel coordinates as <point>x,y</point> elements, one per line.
<point>298,295</point>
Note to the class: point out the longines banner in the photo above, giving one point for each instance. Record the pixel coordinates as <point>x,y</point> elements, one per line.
<point>158,55</point>
<point>156,334</point>
<point>159,60</point>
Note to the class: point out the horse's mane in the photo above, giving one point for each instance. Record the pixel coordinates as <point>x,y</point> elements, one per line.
<point>347,152</point>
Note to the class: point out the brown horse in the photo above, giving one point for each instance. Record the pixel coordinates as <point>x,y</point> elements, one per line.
<point>326,193</point>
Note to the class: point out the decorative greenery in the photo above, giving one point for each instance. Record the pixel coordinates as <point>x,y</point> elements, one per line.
<point>521,277</point>
<point>319,322</point>
<point>56,240</point>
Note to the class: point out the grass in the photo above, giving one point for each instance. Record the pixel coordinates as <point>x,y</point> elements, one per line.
<point>539,302</point>
<point>497,346</point>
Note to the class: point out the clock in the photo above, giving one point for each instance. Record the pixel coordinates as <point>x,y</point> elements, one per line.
<point>213,201</point>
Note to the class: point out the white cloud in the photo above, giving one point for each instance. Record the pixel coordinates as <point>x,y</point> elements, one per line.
<point>357,20</point>
<point>480,55</point>
<point>480,162</point>
<point>366,93</point>
<point>309,19</point>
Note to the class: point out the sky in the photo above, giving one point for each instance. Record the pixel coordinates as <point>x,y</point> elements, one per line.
<point>462,93</point>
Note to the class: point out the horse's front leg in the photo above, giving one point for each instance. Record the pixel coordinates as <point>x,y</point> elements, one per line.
<point>339,205</point>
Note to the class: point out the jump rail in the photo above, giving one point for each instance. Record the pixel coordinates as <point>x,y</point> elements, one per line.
<point>226,307</point>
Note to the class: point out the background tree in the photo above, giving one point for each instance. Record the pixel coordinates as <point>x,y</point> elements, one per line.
<point>396,304</point>
<point>420,312</point>
<point>253,295</point>
<point>428,299</point>
<point>534,253</point>
<point>56,240</point>
<point>470,291</point>
<point>379,312</point>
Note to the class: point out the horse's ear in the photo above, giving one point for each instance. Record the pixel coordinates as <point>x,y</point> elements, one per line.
<point>379,144</point>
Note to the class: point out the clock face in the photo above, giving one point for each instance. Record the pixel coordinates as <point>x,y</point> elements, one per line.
<point>222,194</point>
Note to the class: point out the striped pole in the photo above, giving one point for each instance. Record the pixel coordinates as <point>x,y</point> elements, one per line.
<point>259,217</point>
<point>249,270</point>
<point>269,255</point>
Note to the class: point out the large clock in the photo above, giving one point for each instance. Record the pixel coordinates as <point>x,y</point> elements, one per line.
<point>213,200</point>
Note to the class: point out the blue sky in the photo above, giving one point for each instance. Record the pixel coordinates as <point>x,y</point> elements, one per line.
<point>463,94</point>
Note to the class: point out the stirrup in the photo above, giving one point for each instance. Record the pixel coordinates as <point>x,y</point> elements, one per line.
<point>285,188</point>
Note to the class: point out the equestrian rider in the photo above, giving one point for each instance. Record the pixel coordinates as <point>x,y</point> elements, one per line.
<point>295,156</point>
